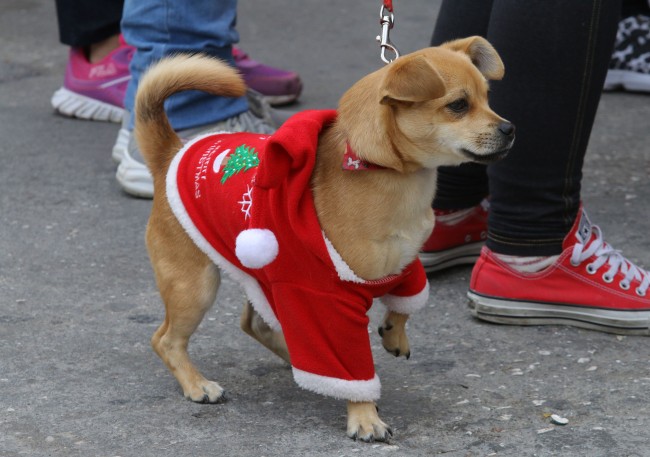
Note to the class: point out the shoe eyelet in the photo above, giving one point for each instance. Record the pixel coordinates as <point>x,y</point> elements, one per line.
<point>574,264</point>
<point>607,278</point>
<point>590,269</point>
<point>625,285</point>
<point>639,292</point>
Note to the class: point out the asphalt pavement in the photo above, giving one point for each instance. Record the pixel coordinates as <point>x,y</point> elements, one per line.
<point>78,303</point>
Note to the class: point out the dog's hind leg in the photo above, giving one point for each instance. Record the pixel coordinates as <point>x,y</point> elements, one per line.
<point>253,324</point>
<point>188,283</point>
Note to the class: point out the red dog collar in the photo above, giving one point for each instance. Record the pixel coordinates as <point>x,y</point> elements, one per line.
<point>352,162</point>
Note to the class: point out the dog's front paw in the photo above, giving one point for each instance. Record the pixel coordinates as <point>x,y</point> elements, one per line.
<point>364,423</point>
<point>206,392</point>
<point>393,334</point>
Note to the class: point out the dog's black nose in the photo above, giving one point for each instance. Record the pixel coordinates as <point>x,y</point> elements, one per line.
<point>507,128</point>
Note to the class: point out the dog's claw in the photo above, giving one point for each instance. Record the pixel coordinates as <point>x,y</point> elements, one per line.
<point>384,328</point>
<point>208,398</point>
<point>396,352</point>
<point>388,434</point>
<point>408,355</point>
<point>222,398</point>
<point>204,400</point>
<point>377,435</point>
<point>365,425</point>
<point>372,437</point>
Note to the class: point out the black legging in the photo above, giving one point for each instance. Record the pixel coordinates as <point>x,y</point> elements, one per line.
<point>83,22</point>
<point>556,54</point>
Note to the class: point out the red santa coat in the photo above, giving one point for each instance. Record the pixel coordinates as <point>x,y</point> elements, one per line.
<point>245,200</point>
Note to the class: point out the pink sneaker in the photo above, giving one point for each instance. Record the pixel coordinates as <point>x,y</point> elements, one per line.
<point>95,91</point>
<point>279,87</point>
<point>590,285</point>
<point>457,238</point>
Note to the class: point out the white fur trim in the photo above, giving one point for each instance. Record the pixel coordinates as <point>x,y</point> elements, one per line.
<point>369,390</point>
<point>256,248</point>
<point>342,268</point>
<point>250,285</point>
<point>407,305</point>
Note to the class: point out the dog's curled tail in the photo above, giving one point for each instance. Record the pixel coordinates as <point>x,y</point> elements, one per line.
<point>157,140</point>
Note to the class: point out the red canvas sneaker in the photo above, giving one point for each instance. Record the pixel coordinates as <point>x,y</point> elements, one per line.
<point>457,238</point>
<point>590,285</point>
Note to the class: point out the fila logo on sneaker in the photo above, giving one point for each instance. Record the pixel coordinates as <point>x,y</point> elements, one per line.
<point>102,71</point>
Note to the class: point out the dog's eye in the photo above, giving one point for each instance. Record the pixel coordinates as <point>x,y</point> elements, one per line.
<point>458,106</point>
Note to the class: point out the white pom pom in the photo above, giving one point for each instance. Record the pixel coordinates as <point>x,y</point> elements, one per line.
<point>256,248</point>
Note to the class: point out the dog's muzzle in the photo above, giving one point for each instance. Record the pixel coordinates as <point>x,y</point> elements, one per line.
<point>507,134</point>
<point>487,158</point>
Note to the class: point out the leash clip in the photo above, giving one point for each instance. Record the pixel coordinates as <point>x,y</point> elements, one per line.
<point>386,19</point>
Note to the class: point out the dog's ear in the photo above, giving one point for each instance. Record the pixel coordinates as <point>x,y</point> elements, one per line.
<point>411,79</point>
<point>482,54</point>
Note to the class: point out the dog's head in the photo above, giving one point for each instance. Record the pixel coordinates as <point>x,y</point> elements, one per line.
<point>429,109</point>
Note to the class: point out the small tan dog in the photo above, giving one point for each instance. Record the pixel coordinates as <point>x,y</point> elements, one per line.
<point>363,177</point>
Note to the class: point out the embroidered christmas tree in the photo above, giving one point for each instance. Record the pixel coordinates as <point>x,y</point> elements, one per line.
<point>244,158</point>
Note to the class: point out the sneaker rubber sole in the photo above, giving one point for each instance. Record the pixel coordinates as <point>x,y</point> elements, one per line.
<point>71,104</point>
<point>134,177</point>
<point>513,312</point>
<point>629,80</point>
<point>121,145</point>
<point>466,254</point>
<point>281,100</point>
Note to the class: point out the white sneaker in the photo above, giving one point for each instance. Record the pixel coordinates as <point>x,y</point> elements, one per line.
<point>122,141</point>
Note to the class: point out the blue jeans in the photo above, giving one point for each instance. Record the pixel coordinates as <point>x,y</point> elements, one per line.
<point>158,28</point>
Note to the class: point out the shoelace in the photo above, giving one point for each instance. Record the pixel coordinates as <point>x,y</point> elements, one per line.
<point>616,261</point>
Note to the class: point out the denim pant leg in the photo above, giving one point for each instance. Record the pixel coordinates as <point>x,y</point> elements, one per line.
<point>158,28</point>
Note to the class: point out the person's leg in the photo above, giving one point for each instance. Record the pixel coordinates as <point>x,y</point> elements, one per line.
<point>546,75</point>
<point>158,28</point>
<point>459,205</point>
<point>464,186</point>
<point>97,71</point>
<point>545,263</point>
<point>83,23</point>
<point>556,54</point>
